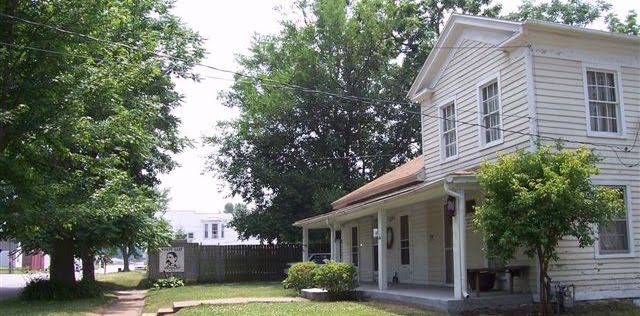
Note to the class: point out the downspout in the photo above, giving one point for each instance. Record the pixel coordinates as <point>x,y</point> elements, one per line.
<point>332,242</point>
<point>462,236</point>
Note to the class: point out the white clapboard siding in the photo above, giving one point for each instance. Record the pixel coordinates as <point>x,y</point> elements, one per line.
<point>459,80</point>
<point>562,114</point>
<point>435,242</point>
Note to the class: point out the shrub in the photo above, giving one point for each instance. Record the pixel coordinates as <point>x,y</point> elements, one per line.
<point>337,278</point>
<point>41,288</point>
<point>301,276</point>
<point>168,283</point>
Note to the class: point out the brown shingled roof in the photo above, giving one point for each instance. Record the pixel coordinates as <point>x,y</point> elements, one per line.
<point>407,174</point>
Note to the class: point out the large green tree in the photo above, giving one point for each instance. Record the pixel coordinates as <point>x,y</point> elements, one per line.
<point>79,113</point>
<point>292,151</point>
<point>572,12</point>
<point>535,199</point>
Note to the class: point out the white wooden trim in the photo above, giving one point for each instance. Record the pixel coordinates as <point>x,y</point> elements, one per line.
<point>481,83</point>
<point>529,60</point>
<point>601,295</point>
<point>618,80</point>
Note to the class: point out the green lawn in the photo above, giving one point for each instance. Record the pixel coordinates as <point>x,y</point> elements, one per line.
<point>164,298</point>
<point>308,309</point>
<point>113,281</point>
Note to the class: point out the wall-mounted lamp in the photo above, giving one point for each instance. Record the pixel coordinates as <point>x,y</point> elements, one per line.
<point>451,206</point>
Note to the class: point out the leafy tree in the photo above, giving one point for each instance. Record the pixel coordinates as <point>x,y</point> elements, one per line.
<point>293,151</point>
<point>179,234</point>
<point>228,208</point>
<point>78,115</point>
<point>629,26</point>
<point>572,12</point>
<point>535,199</point>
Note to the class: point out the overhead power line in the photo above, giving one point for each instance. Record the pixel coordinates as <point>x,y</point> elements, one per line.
<point>276,83</point>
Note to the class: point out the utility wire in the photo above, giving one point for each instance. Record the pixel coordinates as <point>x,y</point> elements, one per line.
<point>274,83</point>
<point>297,87</point>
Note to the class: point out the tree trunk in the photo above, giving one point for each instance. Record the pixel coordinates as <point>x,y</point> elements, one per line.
<point>544,284</point>
<point>62,265</point>
<point>88,267</point>
<point>125,258</point>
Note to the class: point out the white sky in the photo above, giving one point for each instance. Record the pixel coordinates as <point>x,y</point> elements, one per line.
<point>228,27</point>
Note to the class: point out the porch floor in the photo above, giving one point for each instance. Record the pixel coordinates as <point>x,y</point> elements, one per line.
<point>441,297</point>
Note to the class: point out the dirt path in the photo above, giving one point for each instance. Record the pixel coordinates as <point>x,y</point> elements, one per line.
<point>129,303</point>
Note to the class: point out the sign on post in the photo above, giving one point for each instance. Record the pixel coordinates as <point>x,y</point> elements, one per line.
<point>171,259</point>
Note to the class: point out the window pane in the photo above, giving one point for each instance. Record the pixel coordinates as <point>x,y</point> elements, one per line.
<point>614,237</point>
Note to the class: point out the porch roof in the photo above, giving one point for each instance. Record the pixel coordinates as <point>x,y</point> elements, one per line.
<point>396,190</point>
<point>405,175</point>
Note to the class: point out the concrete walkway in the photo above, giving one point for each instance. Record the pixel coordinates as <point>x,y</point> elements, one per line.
<point>129,303</point>
<point>225,301</point>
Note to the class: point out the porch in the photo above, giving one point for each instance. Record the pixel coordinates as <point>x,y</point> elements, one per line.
<point>442,298</point>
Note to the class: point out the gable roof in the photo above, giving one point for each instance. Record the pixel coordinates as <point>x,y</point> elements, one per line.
<point>409,173</point>
<point>507,35</point>
<point>449,38</point>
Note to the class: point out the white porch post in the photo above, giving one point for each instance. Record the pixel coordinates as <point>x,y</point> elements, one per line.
<point>459,248</point>
<point>382,250</point>
<point>332,242</point>
<point>305,244</point>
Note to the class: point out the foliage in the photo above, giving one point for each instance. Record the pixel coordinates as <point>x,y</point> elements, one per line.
<point>238,208</point>
<point>45,289</point>
<point>572,12</point>
<point>294,151</point>
<point>534,199</point>
<point>169,282</point>
<point>86,125</point>
<point>629,26</point>
<point>337,278</point>
<point>179,233</point>
<point>301,276</point>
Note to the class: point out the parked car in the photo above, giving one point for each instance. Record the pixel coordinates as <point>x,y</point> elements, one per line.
<point>319,258</point>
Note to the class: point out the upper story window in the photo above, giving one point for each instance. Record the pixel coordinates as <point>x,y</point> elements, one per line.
<point>190,235</point>
<point>603,104</point>
<point>490,113</point>
<point>614,238</point>
<point>206,230</point>
<point>221,230</point>
<point>448,131</point>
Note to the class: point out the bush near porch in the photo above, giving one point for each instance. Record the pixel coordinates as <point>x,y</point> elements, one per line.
<point>337,278</point>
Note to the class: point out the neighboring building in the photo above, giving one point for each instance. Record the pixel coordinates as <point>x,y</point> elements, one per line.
<point>206,228</point>
<point>10,254</point>
<point>487,86</point>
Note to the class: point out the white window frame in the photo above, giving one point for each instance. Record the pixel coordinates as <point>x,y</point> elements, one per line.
<point>629,211</point>
<point>621,118</point>
<point>206,230</point>
<point>190,235</point>
<point>443,150</point>
<point>481,129</point>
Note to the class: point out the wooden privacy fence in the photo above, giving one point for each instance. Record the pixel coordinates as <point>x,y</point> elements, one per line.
<point>213,263</point>
<point>258,262</point>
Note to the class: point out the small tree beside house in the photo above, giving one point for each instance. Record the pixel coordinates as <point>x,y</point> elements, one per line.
<point>534,199</point>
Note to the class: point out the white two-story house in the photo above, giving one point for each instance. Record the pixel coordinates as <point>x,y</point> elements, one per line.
<point>488,87</point>
<point>206,228</point>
